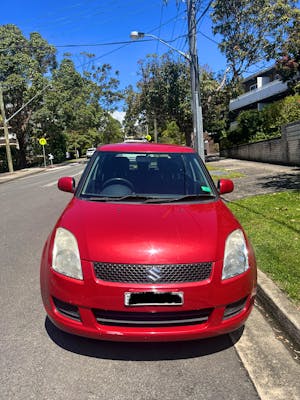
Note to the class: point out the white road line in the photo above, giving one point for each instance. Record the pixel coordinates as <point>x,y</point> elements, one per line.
<point>44,173</point>
<point>55,182</point>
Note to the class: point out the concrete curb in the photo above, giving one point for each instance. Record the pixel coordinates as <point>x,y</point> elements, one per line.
<point>7,176</point>
<point>18,174</point>
<point>277,304</point>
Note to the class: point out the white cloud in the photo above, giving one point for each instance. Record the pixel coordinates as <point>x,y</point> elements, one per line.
<point>119,115</point>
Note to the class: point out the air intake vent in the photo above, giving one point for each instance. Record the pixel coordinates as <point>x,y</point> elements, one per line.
<point>147,319</point>
<point>66,309</point>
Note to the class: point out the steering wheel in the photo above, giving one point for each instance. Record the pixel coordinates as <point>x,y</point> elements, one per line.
<point>120,181</point>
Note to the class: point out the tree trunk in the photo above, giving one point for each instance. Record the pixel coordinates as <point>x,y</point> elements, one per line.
<point>22,162</point>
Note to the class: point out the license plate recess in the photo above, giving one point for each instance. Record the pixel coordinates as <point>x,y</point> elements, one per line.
<point>136,299</point>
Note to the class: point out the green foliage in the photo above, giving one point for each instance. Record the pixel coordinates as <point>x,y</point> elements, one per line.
<point>164,93</point>
<point>172,134</point>
<point>57,146</point>
<point>256,125</point>
<point>288,63</point>
<point>64,100</point>
<point>3,158</point>
<point>253,30</point>
<point>24,64</point>
<point>249,124</point>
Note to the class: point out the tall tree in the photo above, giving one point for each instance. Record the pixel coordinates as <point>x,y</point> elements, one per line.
<point>288,63</point>
<point>164,92</point>
<point>24,65</point>
<point>78,106</point>
<point>252,30</point>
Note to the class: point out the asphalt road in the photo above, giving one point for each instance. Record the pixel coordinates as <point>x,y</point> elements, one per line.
<point>40,362</point>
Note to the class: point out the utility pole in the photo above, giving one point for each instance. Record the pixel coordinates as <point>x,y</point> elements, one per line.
<point>194,68</point>
<point>155,129</point>
<point>6,135</point>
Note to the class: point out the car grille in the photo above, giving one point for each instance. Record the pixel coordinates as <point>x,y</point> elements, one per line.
<point>158,319</point>
<point>141,273</point>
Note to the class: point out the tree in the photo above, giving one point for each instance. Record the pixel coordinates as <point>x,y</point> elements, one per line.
<point>24,65</point>
<point>164,92</point>
<point>132,110</point>
<point>74,108</point>
<point>288,63</point>
<point>252,30</point>
<point>163,95</point>
<point>64,100</point>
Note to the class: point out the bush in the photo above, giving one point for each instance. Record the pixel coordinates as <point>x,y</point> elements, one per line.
<point>3,158</point>
<point>254,125</point>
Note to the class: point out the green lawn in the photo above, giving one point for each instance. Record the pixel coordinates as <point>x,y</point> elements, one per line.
<point>222,173</point>
<point>272,223</point>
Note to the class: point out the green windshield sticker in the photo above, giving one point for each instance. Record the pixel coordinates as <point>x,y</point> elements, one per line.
<point>205,189</point>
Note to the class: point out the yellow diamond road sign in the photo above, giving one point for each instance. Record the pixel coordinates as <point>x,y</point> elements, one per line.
<point>43,141</point>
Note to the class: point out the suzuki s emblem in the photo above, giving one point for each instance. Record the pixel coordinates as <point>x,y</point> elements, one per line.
<point>154,274</point>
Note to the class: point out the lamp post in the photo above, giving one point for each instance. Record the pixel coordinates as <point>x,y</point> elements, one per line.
<point>196,103</point>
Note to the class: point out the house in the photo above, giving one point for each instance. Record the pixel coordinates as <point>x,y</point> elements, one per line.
<point>261,89</point>
<point>11,136</point>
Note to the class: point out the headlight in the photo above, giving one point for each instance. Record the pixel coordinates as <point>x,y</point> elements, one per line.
<point>235,255</point>
<point>65,257</point>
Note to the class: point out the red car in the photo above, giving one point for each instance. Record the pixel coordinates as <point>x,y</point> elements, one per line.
<point>146,250</point>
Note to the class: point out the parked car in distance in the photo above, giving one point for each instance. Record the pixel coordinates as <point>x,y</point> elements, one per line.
<point>147,250</point>
<point>90,152</point>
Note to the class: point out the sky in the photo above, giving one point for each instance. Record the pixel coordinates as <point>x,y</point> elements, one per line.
<point>93,26</point>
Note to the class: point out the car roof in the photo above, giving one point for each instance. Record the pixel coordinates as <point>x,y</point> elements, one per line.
<point>145,148</point>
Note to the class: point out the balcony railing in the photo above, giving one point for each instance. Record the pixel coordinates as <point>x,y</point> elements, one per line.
<point>260,94</point>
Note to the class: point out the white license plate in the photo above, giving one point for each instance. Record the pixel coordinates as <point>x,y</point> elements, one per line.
<point>135,299</point>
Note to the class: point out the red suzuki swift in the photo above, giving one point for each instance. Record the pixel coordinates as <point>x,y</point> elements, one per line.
<point>146,250</point>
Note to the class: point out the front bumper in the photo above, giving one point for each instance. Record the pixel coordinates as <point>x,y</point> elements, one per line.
<point>96,309</point>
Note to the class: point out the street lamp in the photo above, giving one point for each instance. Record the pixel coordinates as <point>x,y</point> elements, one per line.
<point>135,35</point>
<point>196,104</point>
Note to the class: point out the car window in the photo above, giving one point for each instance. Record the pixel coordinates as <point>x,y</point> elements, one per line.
<point>115,174</point>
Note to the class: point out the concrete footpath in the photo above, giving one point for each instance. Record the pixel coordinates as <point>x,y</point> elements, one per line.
<point>258,178</point>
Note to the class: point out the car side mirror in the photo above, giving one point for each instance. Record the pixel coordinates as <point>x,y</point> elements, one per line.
<point>66,184</point>
<point>225,186</point>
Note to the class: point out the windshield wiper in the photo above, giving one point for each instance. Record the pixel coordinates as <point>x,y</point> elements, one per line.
<point>186,197</point>
<point>129,197</point>
<point>149,199</point>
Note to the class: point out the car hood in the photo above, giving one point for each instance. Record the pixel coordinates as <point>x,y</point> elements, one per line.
<point>149,233</point>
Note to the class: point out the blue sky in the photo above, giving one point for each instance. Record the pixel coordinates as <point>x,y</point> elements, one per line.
<point>95,22</point>
<point>105,21</point>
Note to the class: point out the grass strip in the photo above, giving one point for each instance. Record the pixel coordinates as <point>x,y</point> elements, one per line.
<point>272,223</point>
<point>223,173</point>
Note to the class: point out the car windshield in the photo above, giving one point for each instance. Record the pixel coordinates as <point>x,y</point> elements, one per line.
<point>146,177</point>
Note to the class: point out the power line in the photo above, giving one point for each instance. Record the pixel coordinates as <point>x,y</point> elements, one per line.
<point>207,37</point>
<point>204,12</point>
<point>160,23</point>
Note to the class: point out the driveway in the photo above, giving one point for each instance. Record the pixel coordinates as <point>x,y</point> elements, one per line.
<point>258,178</point>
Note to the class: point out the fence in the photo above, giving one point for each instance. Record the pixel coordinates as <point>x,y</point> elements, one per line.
<point>284,150</point>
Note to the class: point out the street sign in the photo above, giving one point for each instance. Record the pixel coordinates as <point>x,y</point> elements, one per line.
<point>43,141</point>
